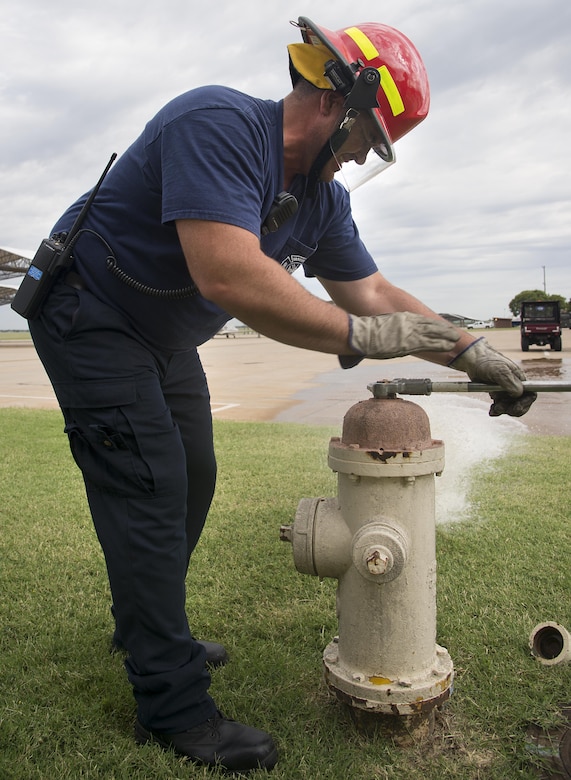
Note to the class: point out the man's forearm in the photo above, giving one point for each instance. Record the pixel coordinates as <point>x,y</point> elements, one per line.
<point>376,295</point>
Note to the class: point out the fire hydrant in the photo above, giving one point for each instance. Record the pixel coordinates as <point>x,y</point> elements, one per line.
<point>377,538</point>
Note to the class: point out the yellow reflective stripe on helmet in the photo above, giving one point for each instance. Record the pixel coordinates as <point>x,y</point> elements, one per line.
<point>387,82</point>
<point>391,91</point>
<point>368,49</point>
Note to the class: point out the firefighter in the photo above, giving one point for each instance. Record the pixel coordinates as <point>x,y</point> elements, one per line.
<point>202,219</point>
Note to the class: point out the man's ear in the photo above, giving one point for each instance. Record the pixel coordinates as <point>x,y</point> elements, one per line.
<point>331,102</point>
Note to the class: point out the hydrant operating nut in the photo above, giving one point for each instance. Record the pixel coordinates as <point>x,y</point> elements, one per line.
<point>380,550</point>
<point>379,560</point>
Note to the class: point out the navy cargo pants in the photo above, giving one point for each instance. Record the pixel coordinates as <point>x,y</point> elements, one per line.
<point>140,430</point>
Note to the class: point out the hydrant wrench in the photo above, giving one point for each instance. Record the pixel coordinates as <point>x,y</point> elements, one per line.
<point>389,388</point>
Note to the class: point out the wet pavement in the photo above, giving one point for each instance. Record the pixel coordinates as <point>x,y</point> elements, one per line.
<point>336,390</point>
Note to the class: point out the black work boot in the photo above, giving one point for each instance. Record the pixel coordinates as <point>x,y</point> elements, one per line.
<point>219,742</point>
<point>216,654</point>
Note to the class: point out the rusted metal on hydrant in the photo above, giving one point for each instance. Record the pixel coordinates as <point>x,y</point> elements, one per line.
<point>377,538</point>
<point>393,425</point>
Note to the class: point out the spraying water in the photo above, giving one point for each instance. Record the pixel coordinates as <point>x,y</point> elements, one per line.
<point>471,438</point>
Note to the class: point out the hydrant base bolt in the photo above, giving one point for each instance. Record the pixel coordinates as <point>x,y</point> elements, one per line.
<point>404,696</point>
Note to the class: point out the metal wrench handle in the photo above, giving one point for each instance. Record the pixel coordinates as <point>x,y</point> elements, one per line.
<point>387,388</point>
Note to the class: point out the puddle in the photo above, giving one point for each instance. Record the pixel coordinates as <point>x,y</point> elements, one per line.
<point>544,368</point>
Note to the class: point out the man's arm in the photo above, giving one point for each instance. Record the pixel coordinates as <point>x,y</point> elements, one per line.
<point>482,363</point>
<point>376,295</point>
<point>229,268</point>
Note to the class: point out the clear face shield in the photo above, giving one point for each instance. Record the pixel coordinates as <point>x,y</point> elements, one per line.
<point>353,174</point>
<point>363,155</point>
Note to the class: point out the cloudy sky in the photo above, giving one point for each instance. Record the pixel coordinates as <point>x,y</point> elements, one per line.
<point>478,206</point>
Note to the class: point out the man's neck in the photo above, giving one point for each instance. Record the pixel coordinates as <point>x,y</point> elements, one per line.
<point>300,143</point>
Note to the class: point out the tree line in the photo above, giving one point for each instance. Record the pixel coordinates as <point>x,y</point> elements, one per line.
<point>537,295</point>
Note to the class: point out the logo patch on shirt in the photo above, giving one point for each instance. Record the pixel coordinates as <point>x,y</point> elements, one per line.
<point>292,263</point>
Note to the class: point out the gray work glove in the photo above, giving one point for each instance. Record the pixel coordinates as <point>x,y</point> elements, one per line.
<point>483,363</point>
<point>395,335</point>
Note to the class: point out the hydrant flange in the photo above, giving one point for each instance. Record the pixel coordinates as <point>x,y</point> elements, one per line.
<point>376,693</point>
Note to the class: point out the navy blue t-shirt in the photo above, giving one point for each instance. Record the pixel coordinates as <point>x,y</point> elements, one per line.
<point>211,154</point>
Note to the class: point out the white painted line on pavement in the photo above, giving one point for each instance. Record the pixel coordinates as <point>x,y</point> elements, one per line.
<point>222,408</point>
<point>30,397</point>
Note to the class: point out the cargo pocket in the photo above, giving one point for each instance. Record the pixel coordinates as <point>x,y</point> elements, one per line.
<point>123,438</point>
<point>102,438</point>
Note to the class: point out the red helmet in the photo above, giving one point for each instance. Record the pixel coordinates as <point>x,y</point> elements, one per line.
<point>403,96</point>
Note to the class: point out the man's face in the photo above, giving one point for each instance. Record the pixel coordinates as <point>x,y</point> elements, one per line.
<point>362,138</point>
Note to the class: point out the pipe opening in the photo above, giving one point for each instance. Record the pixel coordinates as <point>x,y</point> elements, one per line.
<point>548,643</point>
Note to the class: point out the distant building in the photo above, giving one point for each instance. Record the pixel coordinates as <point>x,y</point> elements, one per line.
<point>502,322</point>
<point>457,319</point>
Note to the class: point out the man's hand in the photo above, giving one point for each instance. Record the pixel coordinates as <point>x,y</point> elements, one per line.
<point>395,335</point>
<point>482,363</point>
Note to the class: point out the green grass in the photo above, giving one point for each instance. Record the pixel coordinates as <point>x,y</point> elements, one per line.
<point>15,335</point>
<point>67,712</point>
